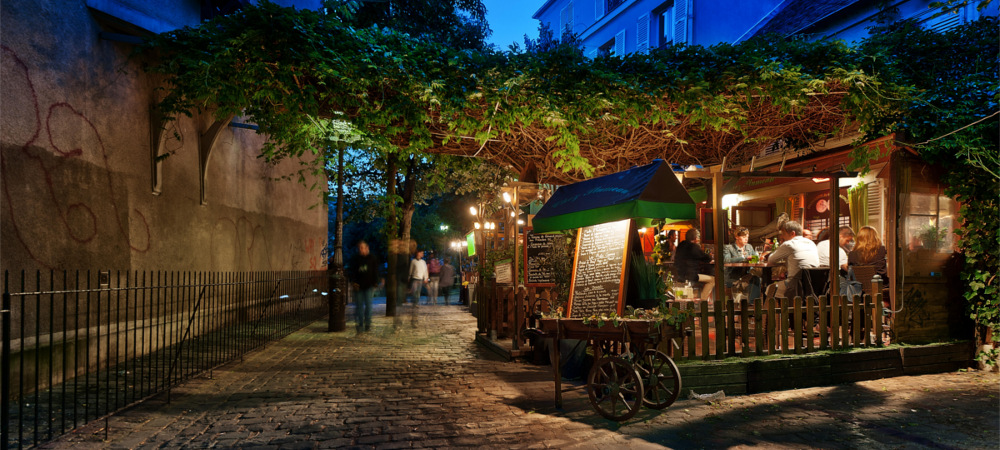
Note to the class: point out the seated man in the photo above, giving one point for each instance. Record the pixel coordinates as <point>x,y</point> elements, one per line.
<point>795,251</point>
<point>823,247</point>
<point>688,260</point>
<point>741,251</point>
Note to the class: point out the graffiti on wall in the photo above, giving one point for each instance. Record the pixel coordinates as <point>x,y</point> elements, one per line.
<point>915,313</point>
<point>66,133</point>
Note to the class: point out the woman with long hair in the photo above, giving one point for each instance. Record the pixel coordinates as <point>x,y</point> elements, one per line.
<point>869,251</point>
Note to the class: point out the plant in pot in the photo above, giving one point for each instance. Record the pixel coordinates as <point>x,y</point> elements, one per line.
<point>648,282</point>
<point>932,237</point>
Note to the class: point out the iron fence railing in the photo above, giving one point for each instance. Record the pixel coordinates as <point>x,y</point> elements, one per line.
<point>80,346</point>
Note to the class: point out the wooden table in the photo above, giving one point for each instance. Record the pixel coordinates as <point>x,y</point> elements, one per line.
<point>765,275</point>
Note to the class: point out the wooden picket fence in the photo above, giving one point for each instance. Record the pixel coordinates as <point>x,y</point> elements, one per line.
<point>717,330</point>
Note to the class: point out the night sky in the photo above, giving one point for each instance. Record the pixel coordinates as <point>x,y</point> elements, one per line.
<point>511,20</point>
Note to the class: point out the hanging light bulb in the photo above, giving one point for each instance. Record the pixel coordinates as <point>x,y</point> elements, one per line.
<point>506,197</point>
<point>477,225</point>
<point>472,209</point>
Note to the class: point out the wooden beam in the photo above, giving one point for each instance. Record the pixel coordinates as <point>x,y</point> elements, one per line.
<point>834,236</point>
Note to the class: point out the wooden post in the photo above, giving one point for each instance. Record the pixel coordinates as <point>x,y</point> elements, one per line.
<point>834,236</point>
<point>720,280</point>
<point>518,298</point>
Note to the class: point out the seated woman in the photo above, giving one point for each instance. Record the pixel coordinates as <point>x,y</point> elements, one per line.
<point>737,252</point>
<point>869,251</point>
<point>689,258</point>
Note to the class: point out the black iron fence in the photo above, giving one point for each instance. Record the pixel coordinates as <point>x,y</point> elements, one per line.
<point>80,346</point>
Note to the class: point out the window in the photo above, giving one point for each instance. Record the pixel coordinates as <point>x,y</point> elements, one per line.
<point>606,49</point>
<point>664,24</point>
<point>620,44</point>
<point>566,20</point>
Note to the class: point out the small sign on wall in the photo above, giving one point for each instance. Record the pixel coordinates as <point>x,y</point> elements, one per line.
<point>504,271</point>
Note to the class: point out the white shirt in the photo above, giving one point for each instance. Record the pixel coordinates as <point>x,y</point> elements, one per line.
<point>418,270</point>
<point>799,252</point>
<point>823,250</point>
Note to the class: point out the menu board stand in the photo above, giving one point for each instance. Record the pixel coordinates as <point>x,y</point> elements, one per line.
<point>538,253</point>
<point>600,270</point>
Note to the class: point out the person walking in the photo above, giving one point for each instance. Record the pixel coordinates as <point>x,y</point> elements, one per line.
<point>447,279</point>
<point>418,279</point>
<point>363,272</point>
<point>402,270</point>
<point>434,278</point>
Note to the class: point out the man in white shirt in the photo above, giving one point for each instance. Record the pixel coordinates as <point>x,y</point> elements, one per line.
<point>823,248</point>
<point>795,251</point>
<point>418,278</point>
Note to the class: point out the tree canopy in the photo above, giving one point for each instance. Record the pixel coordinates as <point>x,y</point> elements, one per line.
<point>573,117</point>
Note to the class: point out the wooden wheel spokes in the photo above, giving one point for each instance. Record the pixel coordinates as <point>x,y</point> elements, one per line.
<point>615,388</point>
<point>660,377</point>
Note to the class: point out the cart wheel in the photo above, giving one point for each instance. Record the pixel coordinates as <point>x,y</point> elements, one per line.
<point>615,388</point>
<point>660,378</point>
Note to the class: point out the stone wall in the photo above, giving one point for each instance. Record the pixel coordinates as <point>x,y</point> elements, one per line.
<point>77,179</point>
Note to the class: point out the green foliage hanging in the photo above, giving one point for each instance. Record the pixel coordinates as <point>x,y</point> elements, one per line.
<point>572,116</point>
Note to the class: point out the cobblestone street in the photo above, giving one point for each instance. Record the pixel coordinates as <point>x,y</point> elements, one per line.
<point>433,387</point>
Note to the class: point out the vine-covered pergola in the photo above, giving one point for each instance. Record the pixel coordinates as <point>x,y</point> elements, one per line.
<point>293,71</point>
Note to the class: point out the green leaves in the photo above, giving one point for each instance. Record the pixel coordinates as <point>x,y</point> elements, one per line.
<point>280,67</point>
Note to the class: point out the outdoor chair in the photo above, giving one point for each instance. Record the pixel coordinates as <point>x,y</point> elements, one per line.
<point>864,275</point>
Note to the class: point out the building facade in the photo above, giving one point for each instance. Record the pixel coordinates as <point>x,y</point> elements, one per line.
<point>618,27</point>
<point>93,178</point>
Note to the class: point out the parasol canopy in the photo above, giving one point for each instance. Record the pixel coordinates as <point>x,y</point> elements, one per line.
<point>651,191</point>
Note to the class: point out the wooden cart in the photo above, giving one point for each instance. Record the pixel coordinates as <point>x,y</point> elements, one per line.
<point>628,370</point>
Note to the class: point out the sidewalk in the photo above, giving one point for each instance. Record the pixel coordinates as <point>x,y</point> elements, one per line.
<point>432,387</point>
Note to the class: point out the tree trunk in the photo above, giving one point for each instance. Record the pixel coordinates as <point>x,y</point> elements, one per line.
<point>338,320</point>
<point>409,192</point>
<point>391,227</point>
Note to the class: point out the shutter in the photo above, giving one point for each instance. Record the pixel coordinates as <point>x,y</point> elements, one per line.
<point>681,21</point>
<point>620,44</point>
<point>566,20</point>
<point>875,206</point>
<point>598,9</point>
<point>642,34</point>
<point>943,23</point>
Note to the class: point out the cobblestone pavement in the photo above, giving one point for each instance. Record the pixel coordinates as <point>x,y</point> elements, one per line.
<point>433,387</point>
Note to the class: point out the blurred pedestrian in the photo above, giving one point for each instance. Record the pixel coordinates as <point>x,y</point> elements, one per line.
<point>402,270</point>
<point>434,278</point>
<point>447,279</point>
<point>418,279</point>
<point>363,272</point>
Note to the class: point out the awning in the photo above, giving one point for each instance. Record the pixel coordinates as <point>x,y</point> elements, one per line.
<point>645,192</point>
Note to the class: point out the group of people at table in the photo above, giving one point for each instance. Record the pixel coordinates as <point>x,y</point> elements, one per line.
<point>794,250</point>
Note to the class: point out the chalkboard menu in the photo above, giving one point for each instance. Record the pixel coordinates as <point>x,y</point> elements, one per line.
<point>538,269</point>
<point>599,270</point>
